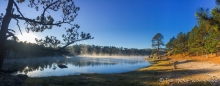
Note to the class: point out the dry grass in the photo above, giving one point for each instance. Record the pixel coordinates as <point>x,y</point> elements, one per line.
<point>211,58</point>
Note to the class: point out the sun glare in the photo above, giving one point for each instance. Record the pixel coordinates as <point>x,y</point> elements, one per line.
<point>29,37</point>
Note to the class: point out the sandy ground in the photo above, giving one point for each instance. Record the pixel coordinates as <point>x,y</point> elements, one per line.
<point>189,71</point>
<point>205,68</point>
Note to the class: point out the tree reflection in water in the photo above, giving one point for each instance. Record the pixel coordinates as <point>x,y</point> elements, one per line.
<point>74,64</point>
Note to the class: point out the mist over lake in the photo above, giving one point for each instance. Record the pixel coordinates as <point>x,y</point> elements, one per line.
<point>74,65</point>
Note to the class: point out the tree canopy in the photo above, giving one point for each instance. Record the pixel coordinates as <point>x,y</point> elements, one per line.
<point>204,38</point>
<point>41,22</point>
<point>157,42</point>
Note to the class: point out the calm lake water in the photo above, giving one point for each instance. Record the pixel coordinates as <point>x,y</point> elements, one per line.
<point>61,66</point>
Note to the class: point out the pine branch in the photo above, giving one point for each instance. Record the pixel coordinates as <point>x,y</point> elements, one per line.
<point>37,22</point>
<point>18,25</point>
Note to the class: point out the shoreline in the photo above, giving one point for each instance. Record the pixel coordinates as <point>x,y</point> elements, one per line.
<point>159,73</point>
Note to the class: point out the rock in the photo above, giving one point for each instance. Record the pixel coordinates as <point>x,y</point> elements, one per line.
<point>22,76</point>
<point>12,80</point>
<point>62,66</point>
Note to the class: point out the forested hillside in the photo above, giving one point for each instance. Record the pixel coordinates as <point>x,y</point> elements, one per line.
<point>203,39</point>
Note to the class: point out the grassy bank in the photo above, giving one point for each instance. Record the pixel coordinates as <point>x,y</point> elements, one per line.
<point>148,76</point>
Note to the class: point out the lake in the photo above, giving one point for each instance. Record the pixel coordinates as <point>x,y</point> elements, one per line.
<point>74,65</point>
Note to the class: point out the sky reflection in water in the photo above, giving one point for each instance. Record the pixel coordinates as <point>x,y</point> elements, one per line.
<point>43,67</point>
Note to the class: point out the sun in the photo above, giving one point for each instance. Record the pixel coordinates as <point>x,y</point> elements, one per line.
<point>29,37</point>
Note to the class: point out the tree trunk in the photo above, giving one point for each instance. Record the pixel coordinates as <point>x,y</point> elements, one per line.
<point>181,55</point>
<point>3,31</point>
<point>158,50</point>
<point>207,56</point>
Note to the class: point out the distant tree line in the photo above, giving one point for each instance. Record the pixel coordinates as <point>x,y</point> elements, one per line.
<point>25,49</point>
<point>83,49</point>
<point>203,39</point>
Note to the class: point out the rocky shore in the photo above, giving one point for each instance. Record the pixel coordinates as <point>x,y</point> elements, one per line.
<point>7,79</point>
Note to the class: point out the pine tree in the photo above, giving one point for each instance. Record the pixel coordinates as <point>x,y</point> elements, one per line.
<point>157,42</point>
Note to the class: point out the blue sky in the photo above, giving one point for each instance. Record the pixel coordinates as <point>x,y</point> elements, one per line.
<point>126,23</point>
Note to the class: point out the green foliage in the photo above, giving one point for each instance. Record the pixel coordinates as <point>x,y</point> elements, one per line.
<point>203,38</point>
<point>170,45</point>
<point>212,41</point>
<point>196,39</point>
<point>157,42</point>
<point>181,43</point>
